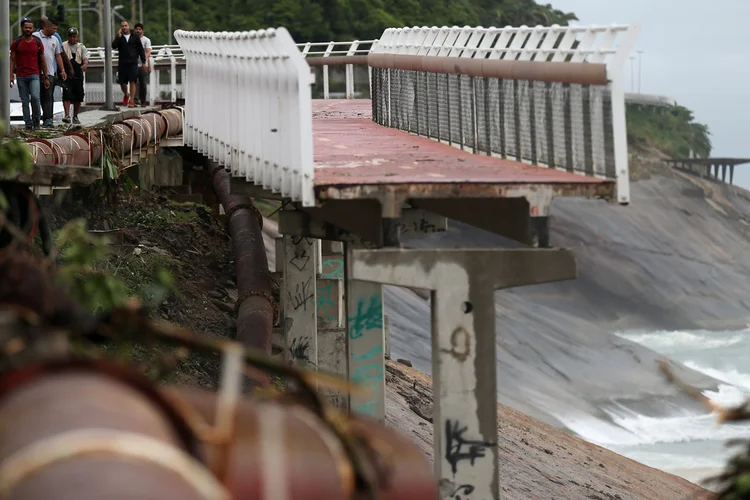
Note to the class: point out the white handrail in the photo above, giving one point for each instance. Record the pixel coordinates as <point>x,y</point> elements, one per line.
<point>257,118</point>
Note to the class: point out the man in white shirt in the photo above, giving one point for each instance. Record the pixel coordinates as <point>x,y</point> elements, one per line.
<point>53,58</point>
<point>143,69</point>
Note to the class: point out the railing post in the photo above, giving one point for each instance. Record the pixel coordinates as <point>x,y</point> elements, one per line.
<point>350,71</point>
<point>326,93</point>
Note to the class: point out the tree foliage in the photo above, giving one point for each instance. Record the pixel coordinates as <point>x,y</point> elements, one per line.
<point>672,130</point>
<point>324,20</point>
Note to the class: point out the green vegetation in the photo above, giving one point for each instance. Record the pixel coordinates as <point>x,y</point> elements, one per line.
<point>322,20</point>
<point>672,131</point>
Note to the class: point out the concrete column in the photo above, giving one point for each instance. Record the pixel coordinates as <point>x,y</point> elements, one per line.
<point>300,265</point>
<point>366,343</point>
<point>463,345</point>
<point>731,174</point>
<point>332,337</point>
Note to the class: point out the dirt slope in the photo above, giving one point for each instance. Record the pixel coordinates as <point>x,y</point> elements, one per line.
<point>537,461</point>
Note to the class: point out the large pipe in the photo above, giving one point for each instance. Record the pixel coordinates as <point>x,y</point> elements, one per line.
<point>173,119</point>
<point>255,317</point>
<point>310,462</point>
<point>71,432</point>
<point>135,132</point>
<point>142,131</point>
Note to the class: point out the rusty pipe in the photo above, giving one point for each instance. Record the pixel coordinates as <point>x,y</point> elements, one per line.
<point>173,118</point>
<point>289,445</point>
<point>61,420</point>
<point>123,140</point>
<point>142,131</point>
<point>42,152</point>
<point>158,124</point>
<point>74,149</point>
<point>255,317</point>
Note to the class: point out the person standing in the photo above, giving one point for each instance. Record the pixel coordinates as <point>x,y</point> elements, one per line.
<point>73,91</point>
<point>66,63</point>
<point>53,58</point>
<point>143,68</point>
<point>27,60</point>
<point>129,50</point>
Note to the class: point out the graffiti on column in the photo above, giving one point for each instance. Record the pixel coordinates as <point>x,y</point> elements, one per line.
<point>421,225</point>
<point>369,316</point>
<point>459,449</point>
<point>333,269</point>
<point>326,304</point>
<point>299,301</point>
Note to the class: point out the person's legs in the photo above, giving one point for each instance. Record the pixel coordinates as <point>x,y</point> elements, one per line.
<point>24,94</point>
<point>122,79</point>
<point>67,97</point>
<point>48,102</point>
<point>142,86</point>
<point>132,72</point>
<point>34,94</point>
<point>78,94</point>
<point>132,93</point>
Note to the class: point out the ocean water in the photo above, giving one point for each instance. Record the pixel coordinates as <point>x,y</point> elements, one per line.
<point>684,442</point>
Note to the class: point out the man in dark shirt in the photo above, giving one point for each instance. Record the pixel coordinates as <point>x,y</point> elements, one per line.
<point>27,59</point>
<point>129,49</point>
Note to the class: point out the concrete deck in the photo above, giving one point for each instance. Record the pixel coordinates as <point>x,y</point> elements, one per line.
<point>355,157</point>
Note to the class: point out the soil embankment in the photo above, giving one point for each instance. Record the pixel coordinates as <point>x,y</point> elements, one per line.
<point>537,461</point>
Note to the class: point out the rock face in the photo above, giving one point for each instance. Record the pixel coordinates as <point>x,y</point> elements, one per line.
<point>675,258</point>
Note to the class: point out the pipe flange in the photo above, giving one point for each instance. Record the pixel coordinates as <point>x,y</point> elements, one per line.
<point>264,294</point>
<point>248,206</point>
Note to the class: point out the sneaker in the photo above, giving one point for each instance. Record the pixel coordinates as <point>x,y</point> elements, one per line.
<point>131,104</point>
<point>29,127</point>
<point>47,123</point>
<point>76,120</point>
<point>66,119</point>
<point>125,100</point>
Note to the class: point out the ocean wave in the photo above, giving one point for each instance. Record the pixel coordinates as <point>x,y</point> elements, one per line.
<point>675,341</point>
<point>627,427</point>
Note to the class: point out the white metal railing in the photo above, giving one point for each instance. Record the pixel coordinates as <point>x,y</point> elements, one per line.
<point>351,48</point>
<point>174,54</point>
<point>248,107</point>
<point>576,127</point>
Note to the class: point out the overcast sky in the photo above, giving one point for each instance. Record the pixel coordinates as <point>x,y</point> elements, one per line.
<point>695,51</point>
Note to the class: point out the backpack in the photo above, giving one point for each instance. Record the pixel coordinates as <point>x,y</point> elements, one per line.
<point>38,47</point>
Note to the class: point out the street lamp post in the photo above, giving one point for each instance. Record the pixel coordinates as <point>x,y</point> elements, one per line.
<point>80,19</point>
<point>108,98</point>
<point>640,53</point>
<point>5,67</point>
<point>169,21</point>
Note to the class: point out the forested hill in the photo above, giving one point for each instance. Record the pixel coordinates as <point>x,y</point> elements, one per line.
<point>325,20</point>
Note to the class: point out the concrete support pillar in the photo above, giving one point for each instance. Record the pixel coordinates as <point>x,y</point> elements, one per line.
<point>366,343</point>
<point>300,266</point>
<point>463,344</point>
<point>731,174</point>
<point>332,337</point>
<point>723,173</point>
